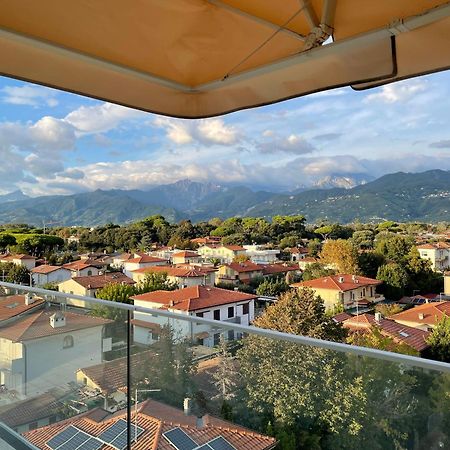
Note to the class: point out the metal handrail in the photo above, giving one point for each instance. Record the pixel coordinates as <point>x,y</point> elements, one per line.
<point>271,334</point>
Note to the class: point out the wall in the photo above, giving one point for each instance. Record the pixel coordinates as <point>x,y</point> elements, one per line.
<point>57,276</point>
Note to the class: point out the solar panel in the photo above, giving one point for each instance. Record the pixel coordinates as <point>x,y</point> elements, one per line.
<point>116,435</point>
<point>113,431</point>
<point>62,437</point>
<point>204,447</point>
<point>72,438</point>
<point>220,443</point>
<point>180,440</point>
<point>91,444</point>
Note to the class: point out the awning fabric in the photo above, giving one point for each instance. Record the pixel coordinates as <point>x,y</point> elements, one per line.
<point>200,58</point>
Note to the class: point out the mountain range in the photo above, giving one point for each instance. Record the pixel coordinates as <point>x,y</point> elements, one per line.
<point>399,196</point>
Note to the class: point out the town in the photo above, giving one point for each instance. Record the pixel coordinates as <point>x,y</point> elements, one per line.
<point>384,286</point>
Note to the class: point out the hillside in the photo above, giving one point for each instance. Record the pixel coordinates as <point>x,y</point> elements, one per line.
<point>401,197</point>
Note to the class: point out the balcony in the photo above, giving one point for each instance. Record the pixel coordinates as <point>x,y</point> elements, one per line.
<point>251,392</point>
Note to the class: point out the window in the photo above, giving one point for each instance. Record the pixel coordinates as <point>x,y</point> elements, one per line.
<point>217,314</point>
<point>89,273</point>
<point>245,308</point>
<point>216,339</point>
<point>68,342</point>
<point>155,336</point>
<point>231,335</point>
<point>199,314</point>
<point>230,311</point>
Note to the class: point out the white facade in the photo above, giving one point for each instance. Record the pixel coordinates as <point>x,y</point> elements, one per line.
<point>439,256</point>
<point>191,330</point>
<point>35,366</point>
<point>128,267</point>
<point>260,255</point>
<point>56,276</point>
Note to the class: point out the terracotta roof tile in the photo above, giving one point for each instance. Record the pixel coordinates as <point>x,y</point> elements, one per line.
<point>245,266</point>
<point>413,337</point>
<point>145,259</point>
<point>77,265</point>
<point>176,271</point>
<point>14,305</point>
<point>100,281</point>
<point>186,254</point>
<point>194,298</point>
<point>156,418</point>
<point>37,325</point>
<point>46,268</point>
<point>429,313</point>
<point>333,282</point>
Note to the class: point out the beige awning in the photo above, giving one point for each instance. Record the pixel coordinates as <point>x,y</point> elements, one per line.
<point>200,58</point>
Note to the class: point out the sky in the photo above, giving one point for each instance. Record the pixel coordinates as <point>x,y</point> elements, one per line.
<point>52,142</point>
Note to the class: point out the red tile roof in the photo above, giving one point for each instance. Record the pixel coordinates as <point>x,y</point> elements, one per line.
<point>145,259</point>
<point>234,248</point>
<point>194,298</point>
<point>176,271</point>
<point>37,325</point>
<point>348,283</point>
<point>111,376</point>
<point>10,257</point>
<point>413,337</point>
<point>245,266</point>
<point>46,268</point>
<point>434,246</point>
<point>100,281</point>
<point>341,317</point>
<point>298,250</point>
<point>14,305</point>
<point>75,266</point>
<point>186,254</point>
<point>429,313</point>
<point>157,418</point>
<point>274,269</point>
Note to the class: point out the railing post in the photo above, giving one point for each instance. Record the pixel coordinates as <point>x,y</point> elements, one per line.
<point>129,380</point>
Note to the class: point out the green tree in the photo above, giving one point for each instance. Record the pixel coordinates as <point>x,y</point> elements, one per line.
<point>439,340</point>
<point>363,239</point>
<point>394,247</point>
<point>155,281</point>
<point>316,270</point>
<point>395,280</point>
<point>7,240</point>
<point>272,288</point>
<point>18,275</point>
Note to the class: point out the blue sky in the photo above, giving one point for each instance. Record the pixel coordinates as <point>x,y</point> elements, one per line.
<point>53,142</point>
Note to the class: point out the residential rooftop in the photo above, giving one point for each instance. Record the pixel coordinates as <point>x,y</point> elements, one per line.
<point>341,282</point>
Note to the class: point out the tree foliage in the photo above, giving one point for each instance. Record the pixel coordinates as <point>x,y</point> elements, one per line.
<point>341,254</point>
<point>439,340</point>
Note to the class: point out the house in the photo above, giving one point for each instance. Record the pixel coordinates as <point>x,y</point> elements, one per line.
<point>182,275</point>
<point>239,272</point>
<point>201,301</point>
<point>207,240</point>
<point>261,255</point>
<point>88,286</point>
<point>110,377</point>
<point>81,269</point>
<point>225,253</point>
<point>447,283</point>
<point>118,260</point>
<point>186,257</point>
<point>46,274</point>
<point>34,412</point>
<point>159,427</point>
<point>13,306</point>
<point>165,252</point>
<point>424,317</point>
<point>344,290</point>
<point>142,261</point>
<point>102,260</point>
<point>304,262</point>
<point>401,334</point>
<point>280,269</point>
<point>438,253</point>
<point>298,253</point>
<point>47,344</point>
<point>19,260</point>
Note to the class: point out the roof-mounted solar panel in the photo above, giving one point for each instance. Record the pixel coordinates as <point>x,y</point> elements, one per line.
<point>62,437</point>
<point>220,443</point>
<point>180,440</point>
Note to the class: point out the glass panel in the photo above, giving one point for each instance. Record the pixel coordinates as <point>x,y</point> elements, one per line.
<point>212,384</point>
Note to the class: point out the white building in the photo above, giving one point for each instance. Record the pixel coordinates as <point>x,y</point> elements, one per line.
<point>201,301</point>
<point>140,262</point>
<point>438,253</point>
<point>81,269</point>
<point>260,255</point>
<point>19,260</point>
<point>45,274</point>
<point>45,347</point>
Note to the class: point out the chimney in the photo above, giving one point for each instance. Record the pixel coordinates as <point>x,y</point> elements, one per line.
<point>29,298</point>
<point>172,303</point>
<point>200,423</point>
<point>378,317</point>
<point>341,279</point>
<point>421,316</point>
<point>57,320</point>
<point>187,406</point>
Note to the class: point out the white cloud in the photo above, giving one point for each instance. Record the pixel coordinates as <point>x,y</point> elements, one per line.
<point>29,95</point>
<point>293,144</point>
<point>204,131</point>
<point>100,118</point>
<point>400,91</point>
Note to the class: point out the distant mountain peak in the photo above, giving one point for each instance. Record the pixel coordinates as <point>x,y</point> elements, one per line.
<point>342,181</point>
<point>14,196</point>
